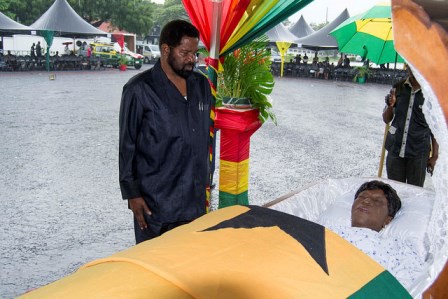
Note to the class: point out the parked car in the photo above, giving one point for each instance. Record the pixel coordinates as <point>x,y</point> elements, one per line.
<point>106,53</point>
<point>110,54</point>
<point>132,59</point>
<point>150,52</point>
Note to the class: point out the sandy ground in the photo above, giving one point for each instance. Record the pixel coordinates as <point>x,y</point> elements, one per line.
<point>61,205</point>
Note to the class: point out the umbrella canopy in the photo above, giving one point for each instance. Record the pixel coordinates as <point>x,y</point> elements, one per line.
<point>320,40</point>
<point>301,28</point>
<point>369,34</point>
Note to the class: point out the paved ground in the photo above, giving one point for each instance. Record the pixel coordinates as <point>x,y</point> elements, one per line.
<point>61,204</point>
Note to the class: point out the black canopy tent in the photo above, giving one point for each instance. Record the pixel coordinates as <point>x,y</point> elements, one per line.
<point>9,26</point>
<point>321,40</point>
<point>62,20</point>
<point>301,28</point>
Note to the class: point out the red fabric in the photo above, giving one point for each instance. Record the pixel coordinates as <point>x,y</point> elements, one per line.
<point>236,128</point>
<point>200,12</point>
<point>120,39</point>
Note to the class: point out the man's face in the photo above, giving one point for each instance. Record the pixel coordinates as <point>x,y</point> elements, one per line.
<point>183,57</point>
<point>370,210</point>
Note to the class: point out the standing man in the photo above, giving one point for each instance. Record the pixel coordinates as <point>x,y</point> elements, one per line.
<point>164,137</point>
<point>38,50</point>
<point>32,51</point>
<point>409,139</point>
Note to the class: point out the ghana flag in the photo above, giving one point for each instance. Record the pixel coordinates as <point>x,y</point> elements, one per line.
<point>235,252</point>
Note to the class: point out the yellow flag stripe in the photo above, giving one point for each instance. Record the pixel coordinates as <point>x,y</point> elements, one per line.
<point>234,176</point>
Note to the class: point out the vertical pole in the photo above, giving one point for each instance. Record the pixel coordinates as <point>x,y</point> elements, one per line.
<point>215,31</point>
<point>215,34</point>
<point>383,151</point>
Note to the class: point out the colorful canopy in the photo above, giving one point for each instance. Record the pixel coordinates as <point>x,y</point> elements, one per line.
<point>371,31</point>
<point>242,20</point>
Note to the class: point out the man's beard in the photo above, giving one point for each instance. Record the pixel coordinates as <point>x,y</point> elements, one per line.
<point>178,69</point>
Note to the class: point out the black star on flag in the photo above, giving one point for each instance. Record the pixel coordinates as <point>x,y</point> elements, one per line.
<point>309,234</point>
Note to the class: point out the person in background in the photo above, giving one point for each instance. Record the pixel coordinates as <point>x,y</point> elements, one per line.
<point>89,52</point>
<point>340,61</point>
<point>346,63</point>
<point>409,139</point>
<point>164,137</point>
<point>32,51</point>
<point>38,50</point>
<point>305,59</point>
<point>66,50</point>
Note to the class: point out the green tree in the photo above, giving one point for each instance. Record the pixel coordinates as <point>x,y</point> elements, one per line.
<point>135,16</point>
<point>27,12</point>
<point>319,26</point>
<point>171,10</point>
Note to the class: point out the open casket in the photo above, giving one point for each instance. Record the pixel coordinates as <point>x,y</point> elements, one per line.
<point>266,252</point>
<point>329,202</point>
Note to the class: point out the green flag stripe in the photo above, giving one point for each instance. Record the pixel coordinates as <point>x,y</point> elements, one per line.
<point>227,199</point>
<point>385,285</point>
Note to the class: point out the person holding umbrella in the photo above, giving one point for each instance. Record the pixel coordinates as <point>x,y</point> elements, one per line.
<point>409,139</point>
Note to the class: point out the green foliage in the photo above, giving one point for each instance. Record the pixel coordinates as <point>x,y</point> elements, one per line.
<point>247,75</point>
<point>319,26</point>
<point>171,10</point>
<point>123,59</point>
<point>361,72</point>
<point>136,16</point>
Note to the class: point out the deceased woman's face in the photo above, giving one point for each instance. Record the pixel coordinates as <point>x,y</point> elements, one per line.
<point>370,210</point>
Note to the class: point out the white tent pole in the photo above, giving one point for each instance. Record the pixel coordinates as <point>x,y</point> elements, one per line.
<point>215,31</point>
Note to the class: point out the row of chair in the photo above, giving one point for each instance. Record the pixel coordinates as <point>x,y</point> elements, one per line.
<point>382,76</point>
<point>56,63</point>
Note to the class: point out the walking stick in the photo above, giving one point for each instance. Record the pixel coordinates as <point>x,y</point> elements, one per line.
<point>383,151</point>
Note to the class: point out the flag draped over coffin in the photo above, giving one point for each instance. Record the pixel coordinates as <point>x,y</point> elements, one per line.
<point>226,25</point>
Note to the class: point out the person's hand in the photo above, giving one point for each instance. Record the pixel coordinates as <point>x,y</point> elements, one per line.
<point>139,208</point>
<point>430,165</point>
<point>391,98</point>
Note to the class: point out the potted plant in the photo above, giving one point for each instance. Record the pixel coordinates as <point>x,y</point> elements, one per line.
<point>247,80</point>
<point>361,73</point>
<point>122,62</point>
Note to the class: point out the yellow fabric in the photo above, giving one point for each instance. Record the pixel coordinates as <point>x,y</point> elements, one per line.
<point>110,280</point>
<point>234,176</point>
<point>283,49</point>
<point>188,262</point>
<point>256,11</point>
<point>380,28</point>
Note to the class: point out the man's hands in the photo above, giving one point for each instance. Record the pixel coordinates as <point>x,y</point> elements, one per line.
<point>139,208</point>
<point>431,164</point>
<point>391,98</point>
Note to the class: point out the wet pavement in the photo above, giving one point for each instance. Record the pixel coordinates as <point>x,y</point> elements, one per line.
<point>61,205</point>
